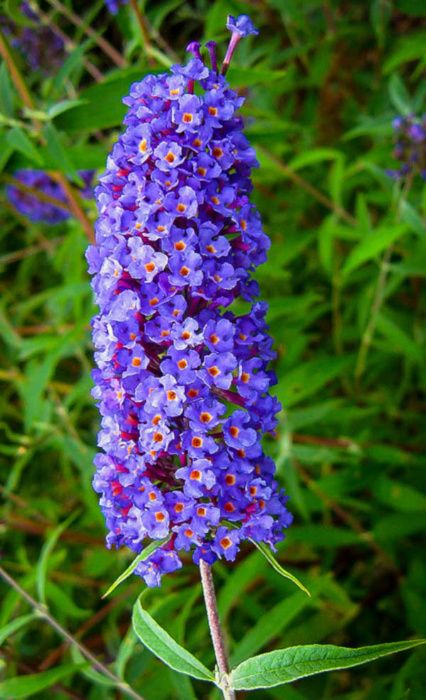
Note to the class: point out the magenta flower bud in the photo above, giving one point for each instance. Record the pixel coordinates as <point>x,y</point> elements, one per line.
<point>211,48</point>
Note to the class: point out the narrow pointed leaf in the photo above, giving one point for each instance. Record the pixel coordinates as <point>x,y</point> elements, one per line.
<point>41,575</point>
<point>288,665</point>
<point>137,560</point>
<point>18,139</point>
<point>157,640</point>
<point>277,566</point>
<point>371,245</point>
<point>32,683</point>
<point>14,626</point>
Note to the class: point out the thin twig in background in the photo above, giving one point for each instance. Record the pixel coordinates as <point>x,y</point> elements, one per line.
<point>69,44</point>
<point>146,41</point>
<point>34,192</point>
<point>305,185</point>
<point>379,294</point>
<point>87,625</point>
<point>351,521</point>
<point>16,255</point>
<point>75,204</point>
<point>43,612</point>
<point>103,44</point>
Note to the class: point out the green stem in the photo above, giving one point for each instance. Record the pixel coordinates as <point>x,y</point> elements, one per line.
<point>216,631</point>
<point>379,296</point>
<point>305,185</point>
<point>143,26</point>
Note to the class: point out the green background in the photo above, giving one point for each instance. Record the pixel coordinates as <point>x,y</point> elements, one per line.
<point>345,284</point>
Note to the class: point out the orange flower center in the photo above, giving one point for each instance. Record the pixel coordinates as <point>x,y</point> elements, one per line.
<point>213,371</point>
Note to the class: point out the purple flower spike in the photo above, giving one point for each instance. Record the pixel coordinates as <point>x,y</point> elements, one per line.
<point>182,382</point>
<point>410,146</point>
<point>34,208</point>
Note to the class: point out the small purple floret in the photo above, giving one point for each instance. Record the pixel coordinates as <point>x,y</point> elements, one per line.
<point>241,25</point>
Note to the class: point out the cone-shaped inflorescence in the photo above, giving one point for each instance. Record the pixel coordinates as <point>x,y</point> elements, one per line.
<point>34,207</point>
<point>182,381</point>
<point>410,146</point>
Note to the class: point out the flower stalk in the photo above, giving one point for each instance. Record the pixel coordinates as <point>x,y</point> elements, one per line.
<point>216,632</point>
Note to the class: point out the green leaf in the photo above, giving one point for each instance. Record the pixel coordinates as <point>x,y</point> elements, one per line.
<point>371,245</point>
<point>157,640</point>
<point>242,77</point>
<point>400,96</point>
<point>103,107</point>
<point>269,626</point>
<point>45,553</point>
<point>14,626</point>
<point>146,552</point>
<point>412,218</point>
<point>13,8</point>
<point>397,495</point>
<point>6,92</point>
<point>406,48</point>
<point>5,151</point>
<point>311,157</point>
<point>264,549</point>
<point>306,379</point>
<point>63,106</point>
<point>72,61</point>
<point>19,141</point>
<point>89,672</point>
<point>397,340</point>
<point>288,665</point>
<point>25,686</point>
<point>59,154</point>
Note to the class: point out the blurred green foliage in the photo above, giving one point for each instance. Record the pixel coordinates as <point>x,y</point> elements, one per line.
<point>345,284</point>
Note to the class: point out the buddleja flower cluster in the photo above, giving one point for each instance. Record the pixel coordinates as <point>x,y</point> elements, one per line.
<point>32,206</point>
<point>182,381</point>
<point>410,146</point>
